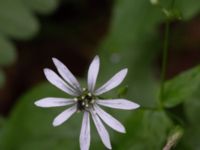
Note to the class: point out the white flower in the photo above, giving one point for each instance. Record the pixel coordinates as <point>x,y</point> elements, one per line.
<point>86,100</point>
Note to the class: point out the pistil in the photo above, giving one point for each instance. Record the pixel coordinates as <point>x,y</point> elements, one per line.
<point>85,101</point>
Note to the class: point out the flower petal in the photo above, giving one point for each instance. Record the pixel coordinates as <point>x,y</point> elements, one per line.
<point>67,75</point>
<point>113,82</point>
<point>64,116</point>
<point>103,133</point>
<point>109,120</point>
<point>53,102</point>
<point>118,103</point>
<point>93,73</point>
<point>85,132</point>
<point>54,79</point>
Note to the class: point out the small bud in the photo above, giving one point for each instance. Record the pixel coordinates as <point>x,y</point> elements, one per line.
<point>154,2</point>
<point>84,89</point>
<point>89,94</point>
<point>172,14</point>
<point>122,91</point>
<point>82,97</point>
<point>75,99</point>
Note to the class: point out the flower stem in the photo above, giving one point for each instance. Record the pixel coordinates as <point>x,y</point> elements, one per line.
<point>165,57</point>
<point>164,62</point>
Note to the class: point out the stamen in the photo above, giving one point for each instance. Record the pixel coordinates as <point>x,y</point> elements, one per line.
<point>85,101</point>
<point>75,99</point>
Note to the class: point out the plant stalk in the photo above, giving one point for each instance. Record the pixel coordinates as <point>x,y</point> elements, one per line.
<point>164,63</point>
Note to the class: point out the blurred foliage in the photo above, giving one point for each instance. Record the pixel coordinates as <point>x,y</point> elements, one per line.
<point>190,140</point>
<point>18,21</point>
<point>7,56</point>
<point>182,87</point>
<point>7,52</point>
<point>43,7</point>
<point>40,135</point>
<point>145,131</point>
<point>132,42</point>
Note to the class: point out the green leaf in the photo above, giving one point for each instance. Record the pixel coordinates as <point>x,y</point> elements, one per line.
<point>2,79</point>
<point>181,87</point>
<point>17,20</point>
<point>43,7</point>
<point>190,139</point>
<point>187,8</point>
<point>183,9</point>
<point>132,42</point>
<point>7,52</point>
<point>146,129</point>
<point>192,135</point>
<point>34,125</point>
<point>192,108</point>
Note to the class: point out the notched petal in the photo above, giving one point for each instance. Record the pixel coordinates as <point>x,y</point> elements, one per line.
<point>93,73</point>
<point>103,133</point>
<point>53,102</point>
<point>54,79</point>
<point>85,132</point>
<point>66,74</point>
<point>109,120</point>
<point>113,82</point>
<point>118,104</point>
<point>64,116</point>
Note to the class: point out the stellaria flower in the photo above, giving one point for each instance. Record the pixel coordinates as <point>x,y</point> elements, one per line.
<point>86,100</point>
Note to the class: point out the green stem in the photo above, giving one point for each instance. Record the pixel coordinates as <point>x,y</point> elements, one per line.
<point>164,62</point>
<point>164,57</point>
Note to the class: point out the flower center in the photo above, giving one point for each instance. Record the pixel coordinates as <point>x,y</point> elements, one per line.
<point>85,101</point>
